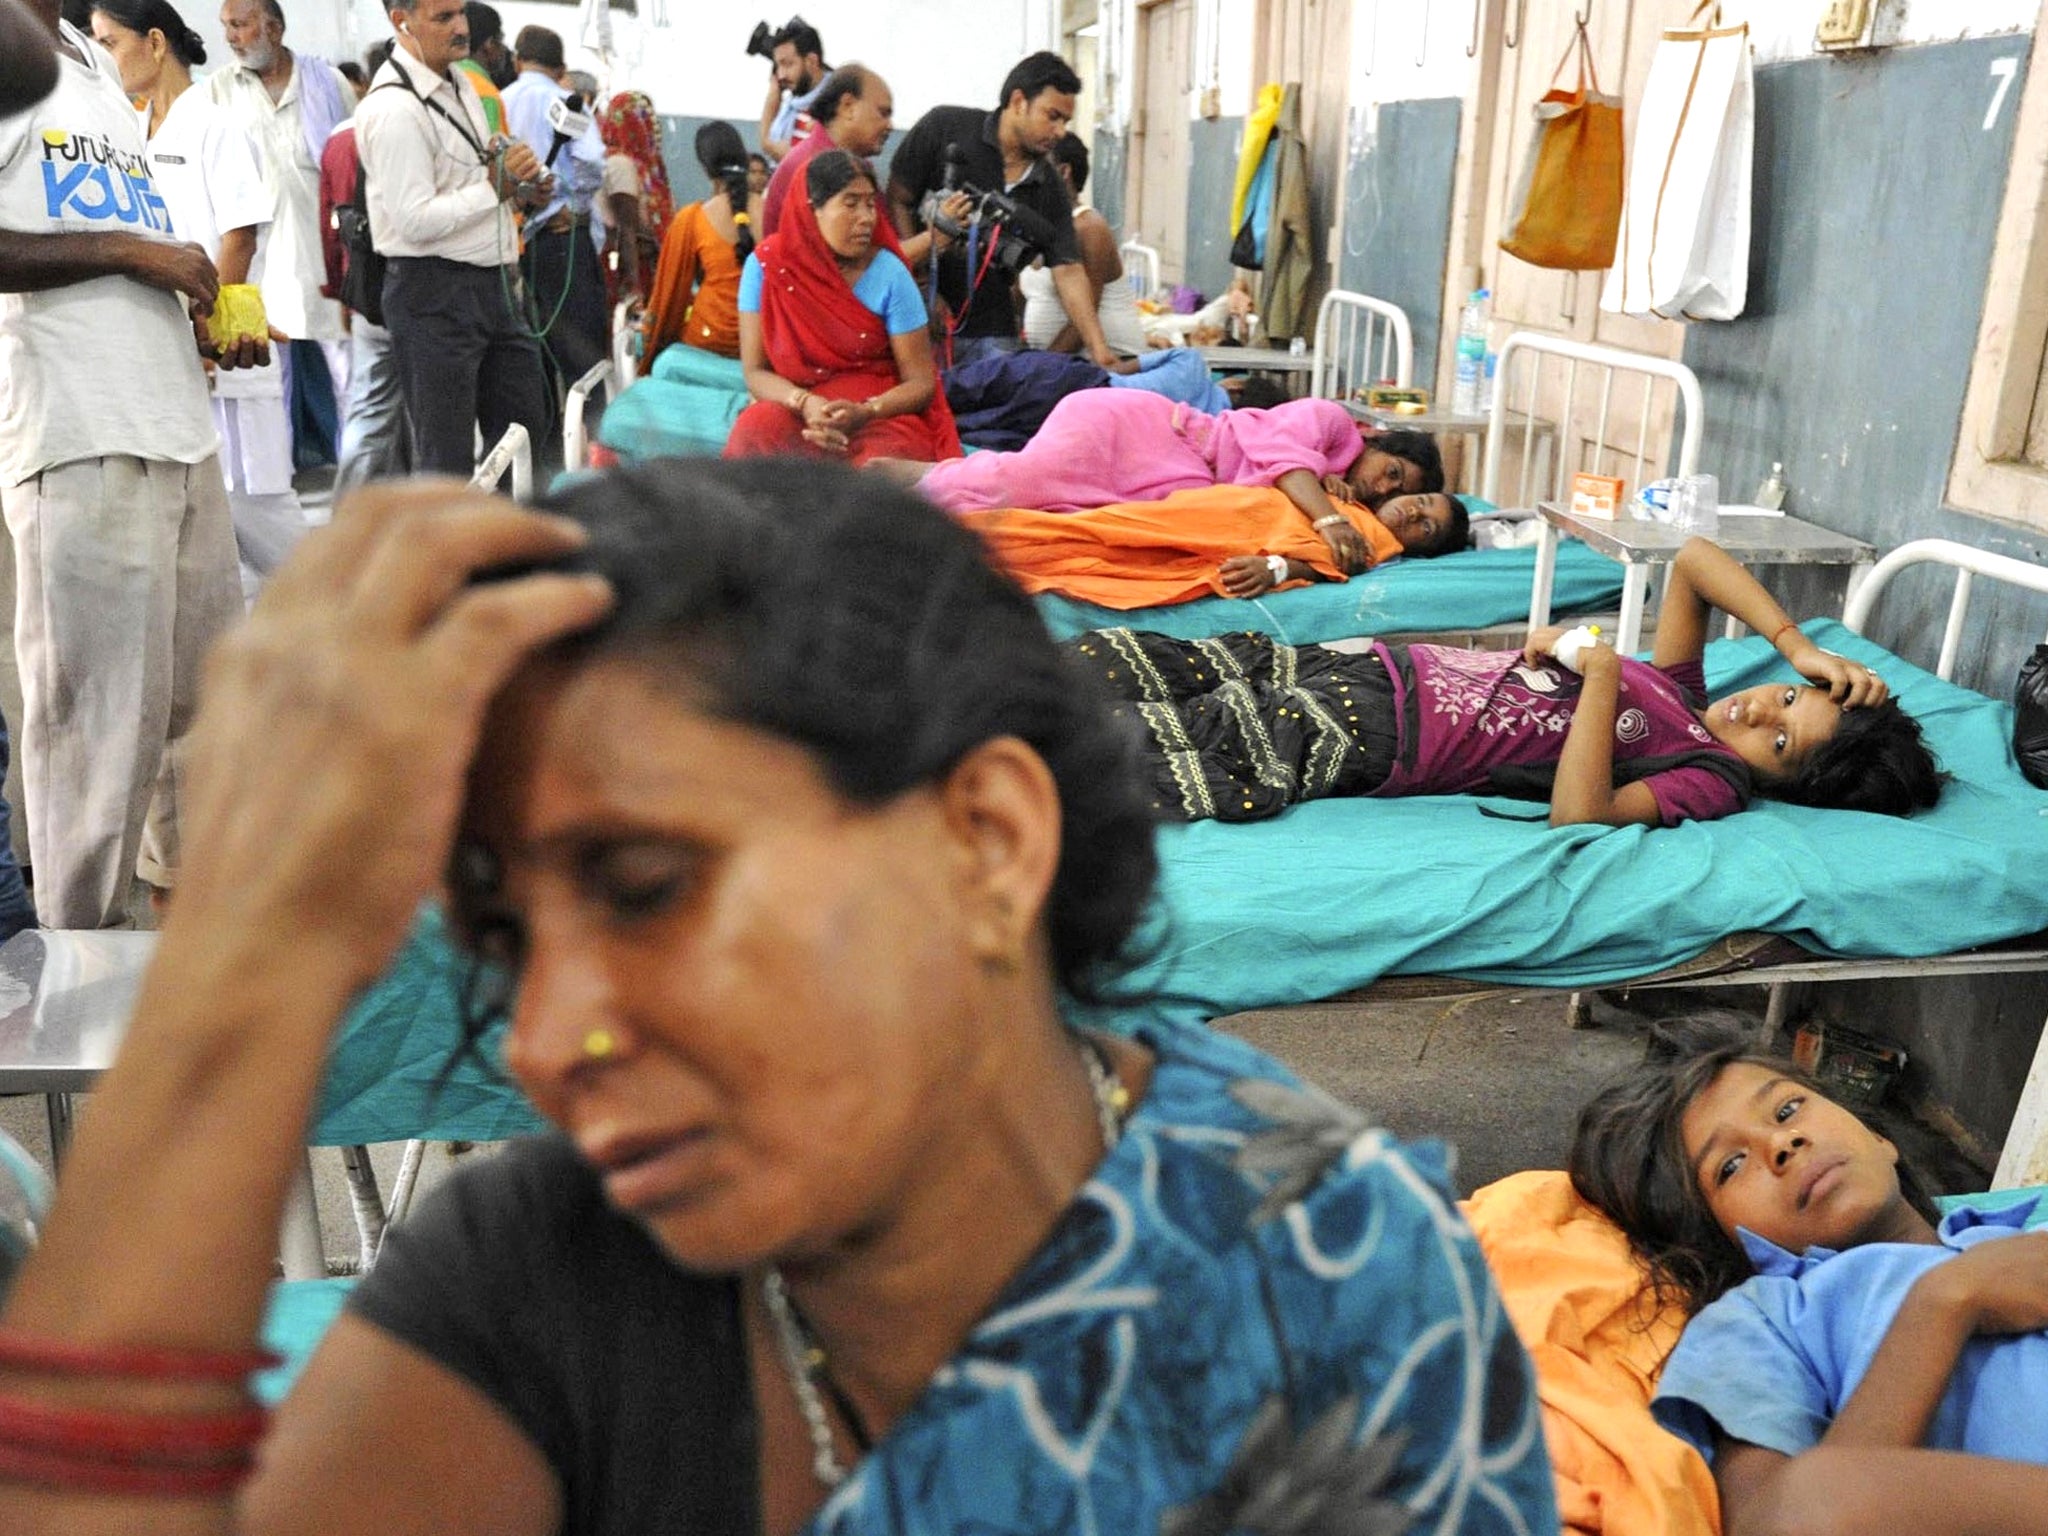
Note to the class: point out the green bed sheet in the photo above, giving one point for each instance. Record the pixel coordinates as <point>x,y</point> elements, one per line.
<point>1332,895</point>
<point>1468,590</point>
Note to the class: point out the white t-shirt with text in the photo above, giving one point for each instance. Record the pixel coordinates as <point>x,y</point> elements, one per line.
<point>106,366</point>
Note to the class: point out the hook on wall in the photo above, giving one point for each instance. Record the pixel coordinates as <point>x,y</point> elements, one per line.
<point>1521,17</point>
<point>1472,47</point>
<point>1582,20</point>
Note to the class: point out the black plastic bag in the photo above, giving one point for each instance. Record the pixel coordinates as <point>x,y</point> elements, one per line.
<point>2030,718</point>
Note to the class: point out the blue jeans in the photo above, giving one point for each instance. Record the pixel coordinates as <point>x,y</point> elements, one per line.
<point>16,910</point>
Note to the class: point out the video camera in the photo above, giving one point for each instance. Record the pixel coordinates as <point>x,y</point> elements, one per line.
<point>766,39</point>
<point>1021,234</point>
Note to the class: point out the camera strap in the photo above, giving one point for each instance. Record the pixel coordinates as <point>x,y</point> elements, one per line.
<point>468,133</point>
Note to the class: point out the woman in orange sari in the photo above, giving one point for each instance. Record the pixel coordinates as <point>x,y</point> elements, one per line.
<point>833,333</point>
<point>697,285</point>
<point>1220,541</point>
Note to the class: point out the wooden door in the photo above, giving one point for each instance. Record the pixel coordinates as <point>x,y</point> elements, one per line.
<point>1157,198</point>
<point>1624,35</point>
<point>1309,42</point>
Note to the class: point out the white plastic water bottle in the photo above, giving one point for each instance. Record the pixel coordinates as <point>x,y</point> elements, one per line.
<point>1470,382</point>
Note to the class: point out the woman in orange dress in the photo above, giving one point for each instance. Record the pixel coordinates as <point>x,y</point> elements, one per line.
<point>697,286</point>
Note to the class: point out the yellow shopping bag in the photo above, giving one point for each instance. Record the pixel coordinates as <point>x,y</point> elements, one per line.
<point>1566,208</point>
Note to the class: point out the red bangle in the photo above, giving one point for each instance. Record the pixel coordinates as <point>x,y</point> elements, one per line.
<point>1788,624</point>
<point>121,1434</point>
<point>46,1470</point>
<point>133,1362</point>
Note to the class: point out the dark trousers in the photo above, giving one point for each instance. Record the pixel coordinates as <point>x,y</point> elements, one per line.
<point>565,288</point>
<point>464,360</point>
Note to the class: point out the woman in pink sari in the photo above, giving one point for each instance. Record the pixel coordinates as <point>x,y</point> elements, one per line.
<point>833,333</point>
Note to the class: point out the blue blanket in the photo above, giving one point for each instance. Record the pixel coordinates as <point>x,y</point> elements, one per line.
<point>684,407</point>
<point>1468,590</point>
<point>1331,895</point>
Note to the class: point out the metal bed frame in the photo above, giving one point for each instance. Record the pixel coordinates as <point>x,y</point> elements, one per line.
<point>1606,364</point>
<point>1360,340</point>
<point>1137,254</point>
<point>1777,963</point>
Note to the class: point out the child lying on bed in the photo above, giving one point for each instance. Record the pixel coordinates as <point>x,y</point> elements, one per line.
<point>1841,1337</point>
<point>1225,541</point>
<point>1240,727</point>
<point>1105,446</point>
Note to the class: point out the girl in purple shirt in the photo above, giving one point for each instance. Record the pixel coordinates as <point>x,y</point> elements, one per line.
<point>1239,727</point>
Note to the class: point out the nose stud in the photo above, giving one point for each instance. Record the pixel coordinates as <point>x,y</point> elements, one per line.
<point>599,1044</point>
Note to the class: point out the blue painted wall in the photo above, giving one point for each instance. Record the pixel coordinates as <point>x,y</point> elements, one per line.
<point>1212,172</point>
<point>1397,216</point>
<point>1106,178</point>
<point>1876,201</point>
<point>678,148</point>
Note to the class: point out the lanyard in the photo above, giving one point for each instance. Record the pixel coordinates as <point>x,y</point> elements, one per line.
<point>468,133</point>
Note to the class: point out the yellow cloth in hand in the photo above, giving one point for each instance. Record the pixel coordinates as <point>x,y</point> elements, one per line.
<point>237,313</point>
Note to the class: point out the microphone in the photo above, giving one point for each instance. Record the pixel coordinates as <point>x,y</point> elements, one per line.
<point>567,118</point>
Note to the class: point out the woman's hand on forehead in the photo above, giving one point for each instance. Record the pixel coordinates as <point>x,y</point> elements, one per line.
<point>327,768</point>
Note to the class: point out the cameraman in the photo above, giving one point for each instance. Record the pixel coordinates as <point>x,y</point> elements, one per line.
<point>797,68</point>
<point>441,192</point>
<point>1001,151</point>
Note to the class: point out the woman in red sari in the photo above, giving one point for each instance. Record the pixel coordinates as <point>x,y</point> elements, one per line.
<point>833,333</point>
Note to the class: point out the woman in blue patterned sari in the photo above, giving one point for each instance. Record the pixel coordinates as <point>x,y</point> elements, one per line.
<point>798,843</point>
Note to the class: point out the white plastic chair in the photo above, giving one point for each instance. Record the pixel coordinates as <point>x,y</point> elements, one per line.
<point>575,436</point>
<point>1360,341</point>
<point>514,451</point>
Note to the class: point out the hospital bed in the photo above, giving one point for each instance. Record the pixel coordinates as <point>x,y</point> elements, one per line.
<point>1141,268</point>
<point>1359,341</point>
<point>1324,901</point>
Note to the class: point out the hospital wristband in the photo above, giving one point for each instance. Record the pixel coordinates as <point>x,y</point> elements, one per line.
<point>1277,564</point>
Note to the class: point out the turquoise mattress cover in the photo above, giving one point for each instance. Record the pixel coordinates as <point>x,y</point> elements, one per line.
<point>1468,590</point>
<point>1332,895</point>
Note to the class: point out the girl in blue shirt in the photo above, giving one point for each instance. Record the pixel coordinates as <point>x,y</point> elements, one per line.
<point>1852,1363</point>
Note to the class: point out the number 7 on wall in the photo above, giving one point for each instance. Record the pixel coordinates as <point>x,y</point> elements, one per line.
<point>2002,70</point>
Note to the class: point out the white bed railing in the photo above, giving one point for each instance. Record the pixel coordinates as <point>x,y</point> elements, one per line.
<point>1360,340</point>
<point>1967,563</point>
<point>1141,267</point>
<point>1605,365</point>
<point>2024,1159</point>
<point>514,451</point>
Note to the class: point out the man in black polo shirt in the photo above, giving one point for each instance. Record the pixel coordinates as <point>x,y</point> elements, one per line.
<point>1002,151</point>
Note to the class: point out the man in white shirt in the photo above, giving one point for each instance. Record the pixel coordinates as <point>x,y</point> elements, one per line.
<point>289,103</point>
<point>440,196</point>
<point>111,486</point>
<point>561,260</point>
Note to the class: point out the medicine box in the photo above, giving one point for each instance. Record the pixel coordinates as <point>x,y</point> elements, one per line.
<point>1596,496</point>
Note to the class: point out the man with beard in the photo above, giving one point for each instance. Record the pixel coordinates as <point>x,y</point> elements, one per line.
<point>799,68</point>
<point>289,103</point>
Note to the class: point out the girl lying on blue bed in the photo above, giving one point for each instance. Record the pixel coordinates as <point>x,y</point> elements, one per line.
<point>1240,727</point>
<point>1852,1364</point>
